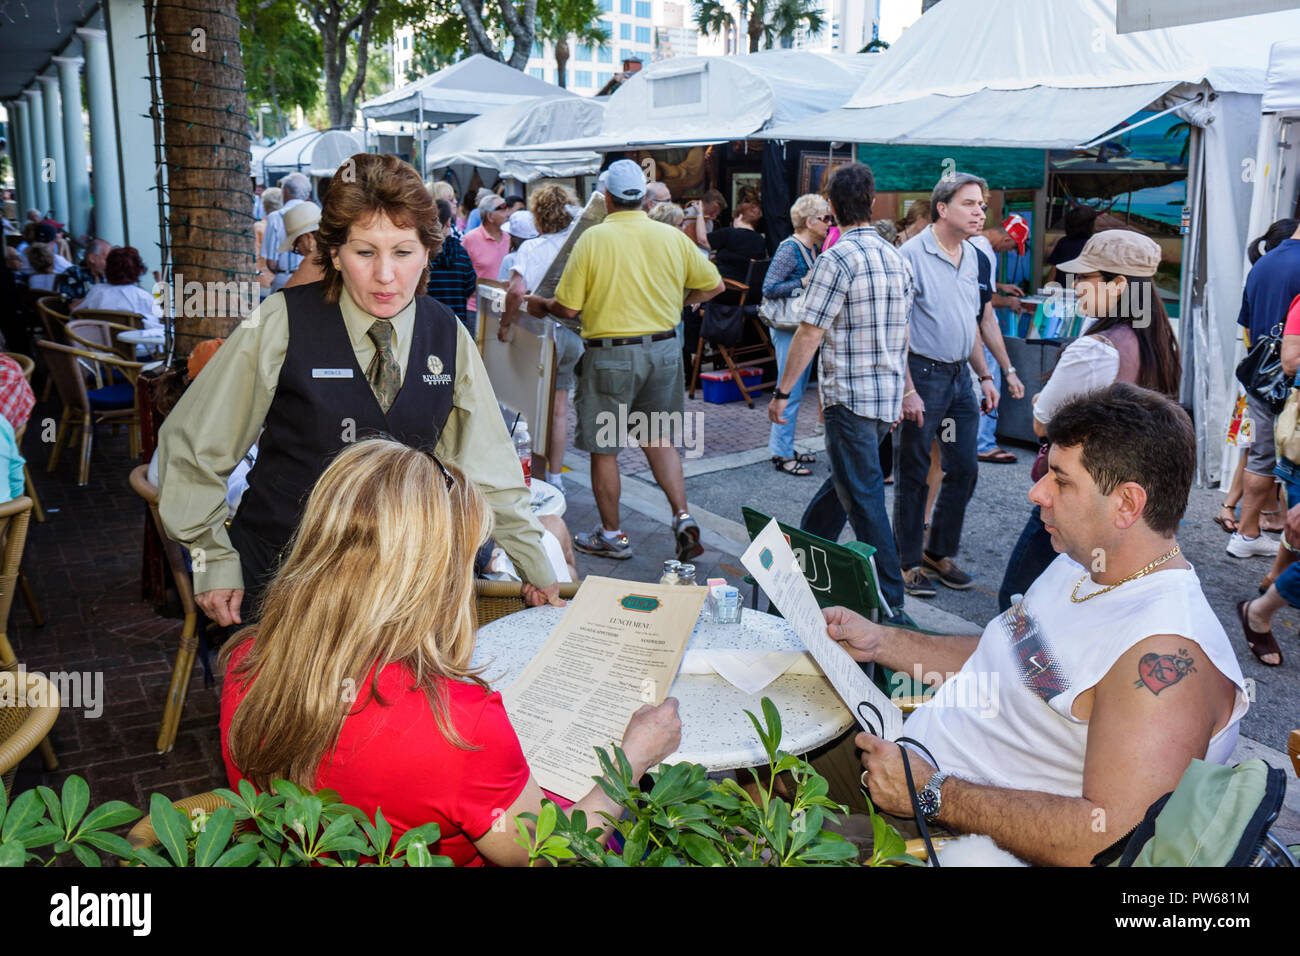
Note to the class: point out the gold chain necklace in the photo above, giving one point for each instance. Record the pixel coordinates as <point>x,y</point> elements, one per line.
<point>950,252</point>
<point>1074,595</point>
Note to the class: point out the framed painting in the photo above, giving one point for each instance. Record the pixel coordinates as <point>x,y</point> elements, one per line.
<point>746,187</point>
<point>814,167</point>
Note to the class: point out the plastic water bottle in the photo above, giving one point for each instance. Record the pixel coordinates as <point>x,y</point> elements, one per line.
<point>524,449</point>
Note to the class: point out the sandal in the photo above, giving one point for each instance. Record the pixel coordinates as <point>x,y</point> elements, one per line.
<point>791,466</point>
<point>806,458</point>
<point>999,457</point>
<point>1260,642</point>
<point>1227,522</point>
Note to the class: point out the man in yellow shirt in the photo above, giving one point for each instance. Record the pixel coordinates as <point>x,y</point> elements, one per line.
<point>626,277</point>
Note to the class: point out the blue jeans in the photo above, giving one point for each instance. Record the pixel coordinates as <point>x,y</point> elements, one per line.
<point>988,420</point>
<point>780,440</point>
<point>1029,558</point>
<point>1288,582</point>
<point>951,416</point>
<point>857,486</point>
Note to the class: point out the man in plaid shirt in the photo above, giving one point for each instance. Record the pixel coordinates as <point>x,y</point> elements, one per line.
<point>856,309</point>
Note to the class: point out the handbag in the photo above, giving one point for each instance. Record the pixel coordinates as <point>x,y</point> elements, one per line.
<point>1261,375</point>
<point>1286,430</point>
<point>723,324</point>
<point>786,315</point>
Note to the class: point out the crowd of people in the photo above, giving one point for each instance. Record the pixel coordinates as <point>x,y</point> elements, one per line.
<point>375,468</point>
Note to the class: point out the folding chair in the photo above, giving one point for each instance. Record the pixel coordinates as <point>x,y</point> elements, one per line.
<point>746,295</point>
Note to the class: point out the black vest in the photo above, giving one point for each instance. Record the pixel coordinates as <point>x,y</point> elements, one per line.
<point>317,409</point>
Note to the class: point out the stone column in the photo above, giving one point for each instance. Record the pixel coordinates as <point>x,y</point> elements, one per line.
<point>40,152</point>
<point>74,145</point>
<point>134,135</point>
<point>27,160</point>
<point>17,160</point>
<point>54,142</point>
<point>103,136</point>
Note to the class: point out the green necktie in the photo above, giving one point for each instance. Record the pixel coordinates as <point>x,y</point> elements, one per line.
<point>384,374</point>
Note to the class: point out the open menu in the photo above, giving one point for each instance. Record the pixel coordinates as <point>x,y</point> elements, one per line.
<point>616,649</point>
<point>771,561</point>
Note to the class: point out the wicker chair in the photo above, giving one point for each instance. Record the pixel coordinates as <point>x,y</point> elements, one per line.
<point>143,835</point>
<point>28,366</point>
<point>496,599</point>
<point>97,335</point>
<point>26,723</point>
<point>14,519</point>
<point>83,408</point>
<point>189,645</point>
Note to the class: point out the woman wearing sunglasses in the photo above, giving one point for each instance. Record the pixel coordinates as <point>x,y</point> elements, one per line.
<point>783,288</point>
<point>357,676</point>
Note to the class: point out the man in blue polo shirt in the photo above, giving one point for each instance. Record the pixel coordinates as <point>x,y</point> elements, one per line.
<point>938,401</point>
<point>1271,285</point>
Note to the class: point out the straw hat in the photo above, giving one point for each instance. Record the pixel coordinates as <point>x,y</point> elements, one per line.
<point>298,221</point>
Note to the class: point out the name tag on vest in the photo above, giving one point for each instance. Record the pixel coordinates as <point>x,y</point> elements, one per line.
<point>331,373</point>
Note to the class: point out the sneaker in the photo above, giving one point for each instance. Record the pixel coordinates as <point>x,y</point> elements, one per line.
<point>1239,546</point>
<point>917,584</point>
<point>620,549</point>
<point>687,533</point>
<point>946,570</point>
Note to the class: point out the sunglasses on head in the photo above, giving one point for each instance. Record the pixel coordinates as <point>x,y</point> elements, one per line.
<point>442,468</point>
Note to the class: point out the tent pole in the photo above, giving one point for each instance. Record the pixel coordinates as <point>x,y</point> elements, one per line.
<point>420,138</point>
<point>1040,227</point>
<point>1199,98</point>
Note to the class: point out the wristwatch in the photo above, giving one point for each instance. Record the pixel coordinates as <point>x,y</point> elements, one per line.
<point>929,798</point>
<point>986,377</point>
<point>1009,370</point>
<point>780,396</point>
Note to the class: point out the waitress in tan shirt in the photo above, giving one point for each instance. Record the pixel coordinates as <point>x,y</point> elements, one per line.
<point>322,365</point>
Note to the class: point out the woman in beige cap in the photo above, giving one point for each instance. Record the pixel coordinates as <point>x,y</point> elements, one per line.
<point>1129,340</point>
<point>300,225</point>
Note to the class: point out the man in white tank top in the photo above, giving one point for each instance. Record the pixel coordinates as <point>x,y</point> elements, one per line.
<point>1079,707</point>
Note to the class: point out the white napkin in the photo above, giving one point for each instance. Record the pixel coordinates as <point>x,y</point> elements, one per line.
<point>749,671</point>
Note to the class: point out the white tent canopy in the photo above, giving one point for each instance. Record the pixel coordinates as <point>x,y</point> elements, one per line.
<point>1048,74</point>
<point>465,148</point>
<point>701,99</point>
<point>458,93</point>
<point>310,151</point>
<point>1054,74</point>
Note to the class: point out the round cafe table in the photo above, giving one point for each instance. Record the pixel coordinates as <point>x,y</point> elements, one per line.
<point>546,498</point>
<point>143,336</point>
<point>715,730</point>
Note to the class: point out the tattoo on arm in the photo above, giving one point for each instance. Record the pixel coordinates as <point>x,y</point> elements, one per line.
<point>1158,671</point>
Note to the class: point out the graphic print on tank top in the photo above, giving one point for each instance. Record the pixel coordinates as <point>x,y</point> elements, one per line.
<point>1039,670</point>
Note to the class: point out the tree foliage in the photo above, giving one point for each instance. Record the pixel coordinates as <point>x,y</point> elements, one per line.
<point>282,59</point>
<point>558,20</point>
<point>764,21</point>
<point>348,29</point>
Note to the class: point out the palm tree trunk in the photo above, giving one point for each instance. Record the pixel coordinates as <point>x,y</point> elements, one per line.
<point>562,61</point>
<point>210,211</point>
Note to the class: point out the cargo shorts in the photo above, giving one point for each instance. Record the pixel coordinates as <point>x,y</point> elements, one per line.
<point>627,394</point>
